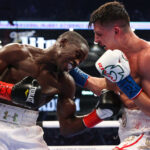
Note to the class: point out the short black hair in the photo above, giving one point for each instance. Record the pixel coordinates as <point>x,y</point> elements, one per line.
<point>73,37</point>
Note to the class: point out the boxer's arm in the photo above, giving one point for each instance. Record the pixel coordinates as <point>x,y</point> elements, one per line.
<point>66,109</point>
<point>79,76</point>
<point>10,54</point>
<point>143,100</point>
<point>108,105</point>
<point>93,84</point>
<point>138,93</point>
<point>71,124</point>
<point>24,93</point>
<point>96,85</point>
<point>115,67</point>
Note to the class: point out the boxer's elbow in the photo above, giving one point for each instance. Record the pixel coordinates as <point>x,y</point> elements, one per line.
<point>66,128</point>
<point>71,127</point>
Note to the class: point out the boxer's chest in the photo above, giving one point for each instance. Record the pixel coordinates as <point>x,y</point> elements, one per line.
<point>133,61</point>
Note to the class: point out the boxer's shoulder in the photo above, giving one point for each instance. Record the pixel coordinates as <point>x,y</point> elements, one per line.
<point>12,53</point>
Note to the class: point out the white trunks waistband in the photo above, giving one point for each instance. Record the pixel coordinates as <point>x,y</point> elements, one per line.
<point>17,115</point>
<point>135,119</point>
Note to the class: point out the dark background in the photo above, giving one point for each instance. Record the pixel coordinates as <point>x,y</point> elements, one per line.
<point>65,10</point>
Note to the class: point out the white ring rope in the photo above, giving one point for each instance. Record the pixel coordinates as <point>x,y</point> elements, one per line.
<point>104,124</point>
<point>110,147</point>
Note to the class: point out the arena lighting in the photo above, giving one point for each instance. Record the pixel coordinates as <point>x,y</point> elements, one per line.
<point>83,92</point>
<point>71,29</point>
<point>79,25</point>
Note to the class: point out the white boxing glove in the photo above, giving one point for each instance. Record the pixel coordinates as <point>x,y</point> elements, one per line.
<point>114,66</point>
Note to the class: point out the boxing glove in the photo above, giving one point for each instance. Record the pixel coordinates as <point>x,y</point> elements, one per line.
<point>79,76</point>
<point>24,93</point>
<point>107,107</point>
<point>114,66</point>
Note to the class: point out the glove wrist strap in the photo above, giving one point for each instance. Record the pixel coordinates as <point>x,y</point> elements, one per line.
<point>91,119</point>
<point>129,87</point>
<point>5,90</point>
<point>79,76</point>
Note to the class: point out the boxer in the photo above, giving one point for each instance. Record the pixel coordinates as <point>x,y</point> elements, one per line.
<point>50,67</point>
<point>128,76</point>
<point>46,72</point>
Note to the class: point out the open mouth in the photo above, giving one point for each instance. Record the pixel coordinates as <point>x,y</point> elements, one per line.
<point>103,46</point>
<point>70,66</point>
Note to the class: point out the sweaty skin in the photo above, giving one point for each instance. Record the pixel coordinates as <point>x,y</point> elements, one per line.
<point>112,30</point>
<point>50,68</point>
<point>138,53</point>
<point>138,56</point>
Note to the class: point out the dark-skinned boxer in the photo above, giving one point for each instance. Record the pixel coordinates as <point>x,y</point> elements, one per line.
<point>50,67</point>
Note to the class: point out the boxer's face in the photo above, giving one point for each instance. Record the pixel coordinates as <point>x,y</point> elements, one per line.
<point>105,36</point>
<point>72,56</point>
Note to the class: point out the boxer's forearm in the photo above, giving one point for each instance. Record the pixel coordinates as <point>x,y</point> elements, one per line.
<point>96,85</point>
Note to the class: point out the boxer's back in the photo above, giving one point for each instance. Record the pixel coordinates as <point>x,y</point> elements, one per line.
<point>31,63</point>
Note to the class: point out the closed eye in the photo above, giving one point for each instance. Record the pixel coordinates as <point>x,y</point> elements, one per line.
<point>80,55</point>
<point>98,34</point>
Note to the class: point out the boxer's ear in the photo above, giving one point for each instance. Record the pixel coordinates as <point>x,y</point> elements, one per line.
<point>63,42</point>
<point>116,30</point>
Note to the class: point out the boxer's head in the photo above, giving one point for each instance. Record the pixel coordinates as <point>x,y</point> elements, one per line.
<point>72,49</point>
<point>110,21</point>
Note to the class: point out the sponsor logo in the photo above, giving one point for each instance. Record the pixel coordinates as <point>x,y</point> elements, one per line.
<point>114,73</point>
<point>27,92</point>
<point>7,116</point>
<point>31,95</point>
<point>52,105</point>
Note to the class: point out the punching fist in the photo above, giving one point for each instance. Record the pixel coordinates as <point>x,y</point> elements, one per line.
<point>25,93</point>
<point>110,102</point>
<point>108,106</point>
<point>114,66</point>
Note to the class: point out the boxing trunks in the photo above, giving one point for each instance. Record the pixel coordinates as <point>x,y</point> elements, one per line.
<point>134,130</point>
<point>18,129</point>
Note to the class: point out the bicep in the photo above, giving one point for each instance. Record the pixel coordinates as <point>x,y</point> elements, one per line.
<point>66,108</point>
<point>68,87</point>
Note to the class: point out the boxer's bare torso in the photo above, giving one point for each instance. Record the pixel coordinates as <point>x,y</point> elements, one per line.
<point>139,63</point>
<point>51,69</point>
<point>27,61</point>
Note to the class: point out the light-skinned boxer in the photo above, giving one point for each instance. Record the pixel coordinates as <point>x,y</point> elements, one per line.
<point>125,66</point>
